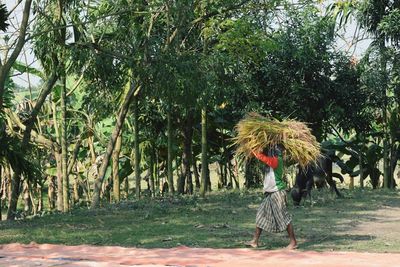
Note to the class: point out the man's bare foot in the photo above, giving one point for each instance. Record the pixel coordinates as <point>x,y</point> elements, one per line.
<point>292,246</point>
<point>252,244</point>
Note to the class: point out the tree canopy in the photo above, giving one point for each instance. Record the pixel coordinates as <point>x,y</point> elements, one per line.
<point>139,93</point>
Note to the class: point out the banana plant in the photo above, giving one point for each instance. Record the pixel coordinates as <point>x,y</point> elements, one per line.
<point>348,154</point>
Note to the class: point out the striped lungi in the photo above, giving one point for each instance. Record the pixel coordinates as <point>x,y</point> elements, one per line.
<point>272,215</point>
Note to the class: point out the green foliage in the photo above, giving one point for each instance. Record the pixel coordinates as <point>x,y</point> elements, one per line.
<point>350,107</point>
<point>342,11</point>
<point>232,56</point>
<point>8,98</point>
<point>301,73</point>
<point>370,14</point>
<point>347,157</point>
<point>23,68</point>
<point>10,153</point>
<point>244,39</point>
<point>389,25</point>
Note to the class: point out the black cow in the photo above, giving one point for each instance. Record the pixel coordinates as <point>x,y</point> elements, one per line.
<point>319,175</point>
<point>303,184</point>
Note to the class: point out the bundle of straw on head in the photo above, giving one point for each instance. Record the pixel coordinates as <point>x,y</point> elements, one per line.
<point>256,133</point>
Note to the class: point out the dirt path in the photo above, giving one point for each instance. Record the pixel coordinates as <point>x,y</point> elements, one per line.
<point>58,255</point>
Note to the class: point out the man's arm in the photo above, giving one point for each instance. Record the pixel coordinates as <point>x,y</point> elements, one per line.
<point>270,161</point>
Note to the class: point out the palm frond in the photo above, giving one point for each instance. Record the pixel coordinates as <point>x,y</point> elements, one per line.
<point>3,17</point>
<point>11,153</point>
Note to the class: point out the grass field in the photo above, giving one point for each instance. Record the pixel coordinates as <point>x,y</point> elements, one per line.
<point>364,220</point>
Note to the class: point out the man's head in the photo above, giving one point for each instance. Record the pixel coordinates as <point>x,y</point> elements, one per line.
<point>274,151</point>
<point>280,148</point>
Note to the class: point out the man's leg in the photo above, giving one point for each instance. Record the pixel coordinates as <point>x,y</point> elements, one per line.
<point>293,242</point>
<point>254,243</point>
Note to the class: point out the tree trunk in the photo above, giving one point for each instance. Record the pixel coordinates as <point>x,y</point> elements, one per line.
<point>360,162</point>
<point>209,189</point>
<point>230,173</point>
<point>60,198</point>
<point>189,182</point>
<point>71,164</point>
<point>6,186</point>
<point>225,168</point>
<point>9,183</point>
<point>137,141</point>
<point>236,174</point>
<point>50,192</point>
<point>75,191</point>
<point>220,173</point>
<point>57,156</point>
<point>15,190</point>
<point>115,169</point>
<point>157,171</point>
<point>181,179</point>
<point>351,185</point>
<point>204,157</point>
<point>126,187</point>
<point>40,196</point>
<point>1,190</point>
<point>386,172</point>
<point>187,151</point>
<point>250,174</point>
<point>110,147</point>
<point>233,176</point>
<point>16,179</point>
<point>394,152</point>
<point>386,157</point>
<point>5,68</point>
<point>224,162</point>
<point>170,156</point>
<point>151,172</point>
<point>195,172</point>
<point>34,207</point>
<point>178,168</point>
<point>91,149</point>
<point>64,146</point>
<point>27,201</point>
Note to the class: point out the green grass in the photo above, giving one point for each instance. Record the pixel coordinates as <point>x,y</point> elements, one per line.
<point>222,220</point>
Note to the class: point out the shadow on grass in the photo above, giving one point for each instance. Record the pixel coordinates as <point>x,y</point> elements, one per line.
<point>342,224</point>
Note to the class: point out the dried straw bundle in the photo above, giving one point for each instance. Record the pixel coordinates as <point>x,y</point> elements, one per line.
<point>255,132</point>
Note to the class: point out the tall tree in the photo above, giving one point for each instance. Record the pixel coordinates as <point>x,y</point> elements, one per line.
<point>379,19</point>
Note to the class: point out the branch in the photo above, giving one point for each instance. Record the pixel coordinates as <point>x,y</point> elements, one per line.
<point>90,21</point>
<point>21,37</point>
<point>74,88</point>
<point>39,103</point>
<point>5,68</point>
<point>338,135</point>
<point>12,9</point>
<point>96,47</point>
<point>352,148</point>
<point>37,138</point>
<point>74,155</point>
<point>216,13</point>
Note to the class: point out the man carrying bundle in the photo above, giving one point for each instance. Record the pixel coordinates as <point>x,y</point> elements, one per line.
<point>272,215</point>
<point>255,133</point>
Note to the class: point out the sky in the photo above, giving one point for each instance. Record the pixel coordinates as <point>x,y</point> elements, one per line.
<point>28,58</point>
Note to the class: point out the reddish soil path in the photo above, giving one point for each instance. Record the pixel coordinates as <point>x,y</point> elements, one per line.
<point>58,255</point>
